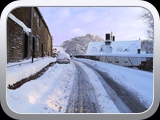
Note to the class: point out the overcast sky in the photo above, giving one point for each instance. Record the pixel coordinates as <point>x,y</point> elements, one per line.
<point>68,22</point>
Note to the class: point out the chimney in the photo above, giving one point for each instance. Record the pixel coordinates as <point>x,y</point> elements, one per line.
<point>107,36</point>
<point>108,39</point>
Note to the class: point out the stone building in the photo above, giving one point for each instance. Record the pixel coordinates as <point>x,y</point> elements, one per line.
<point>28,35</point>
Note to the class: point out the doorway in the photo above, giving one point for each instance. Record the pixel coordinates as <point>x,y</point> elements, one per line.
<point>33,47</point>
<point>42,50</point>
<point>25,46</point>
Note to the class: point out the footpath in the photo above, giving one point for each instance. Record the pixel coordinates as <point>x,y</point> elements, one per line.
<point>22,72</point>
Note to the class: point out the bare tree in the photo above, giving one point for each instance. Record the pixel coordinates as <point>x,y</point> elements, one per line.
<point>147,45</point>
<point>79,44</point>
<point>148,20</point>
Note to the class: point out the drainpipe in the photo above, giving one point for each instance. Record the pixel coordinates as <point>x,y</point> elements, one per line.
<point>32,34</point>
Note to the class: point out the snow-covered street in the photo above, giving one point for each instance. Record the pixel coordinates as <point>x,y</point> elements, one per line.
<point>69,88</point>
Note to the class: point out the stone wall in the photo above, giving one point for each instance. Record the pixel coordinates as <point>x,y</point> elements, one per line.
<point>19,42</point>
<point>16,36</point>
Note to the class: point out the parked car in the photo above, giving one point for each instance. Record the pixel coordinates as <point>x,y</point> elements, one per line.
<point>63,58</point>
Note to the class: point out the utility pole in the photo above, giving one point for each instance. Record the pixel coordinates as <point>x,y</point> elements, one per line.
<point>32,34</point>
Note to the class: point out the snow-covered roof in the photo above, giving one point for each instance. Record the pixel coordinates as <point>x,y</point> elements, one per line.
<point>115,47</point>
<point>25,28</point>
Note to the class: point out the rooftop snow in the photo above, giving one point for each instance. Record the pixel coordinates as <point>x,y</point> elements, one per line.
<point>116,47</point>
<point>25,28</point>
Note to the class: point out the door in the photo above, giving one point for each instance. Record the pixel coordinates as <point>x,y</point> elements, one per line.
<point>25,46</point>
<point>33,47</point>
<point>42,51</point>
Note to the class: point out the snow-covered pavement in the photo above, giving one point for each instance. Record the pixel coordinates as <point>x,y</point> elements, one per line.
<point>104,100</point>
<point>50,92</point>
<point>138,81</point>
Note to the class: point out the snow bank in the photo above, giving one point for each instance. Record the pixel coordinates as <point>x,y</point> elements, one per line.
<point>15,74</point>
<point>47,94</point>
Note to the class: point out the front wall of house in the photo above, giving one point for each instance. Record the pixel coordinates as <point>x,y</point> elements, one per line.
<point>49,48</point>
<point>14,41</point>
<point>16,36</point>
<point>40,34</point>
<point>23,14</point>
<point>19,43</point>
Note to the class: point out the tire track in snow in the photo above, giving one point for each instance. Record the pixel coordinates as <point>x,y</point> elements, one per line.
<point>125,100</point>
<point>102,102</point>
<point>82,98</point>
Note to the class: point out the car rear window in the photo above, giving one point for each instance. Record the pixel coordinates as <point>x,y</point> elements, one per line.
<point>63,55</point>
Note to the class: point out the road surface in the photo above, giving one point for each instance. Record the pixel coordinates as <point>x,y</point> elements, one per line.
<point>83,100</point>
<point>81,88</point>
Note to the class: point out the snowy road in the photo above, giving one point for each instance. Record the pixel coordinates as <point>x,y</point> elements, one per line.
<point>125,100</point>
<point>82,98</point>
<point>77,87</point>
<point>81,92</point>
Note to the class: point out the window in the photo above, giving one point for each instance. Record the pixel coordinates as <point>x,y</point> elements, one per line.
<point>38,21</point>
<point>34,14</point>
<point>37,44</point>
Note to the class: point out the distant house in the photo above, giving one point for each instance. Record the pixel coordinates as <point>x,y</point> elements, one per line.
<point>115,47</point>
<point>27,35</point>
<point>123,53</point>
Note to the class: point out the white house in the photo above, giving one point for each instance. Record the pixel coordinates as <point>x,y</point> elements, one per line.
<point>124,53</point>
<point>114,47</point>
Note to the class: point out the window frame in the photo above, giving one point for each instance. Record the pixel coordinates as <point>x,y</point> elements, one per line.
<point>38,21</point>
<point>37,44</point>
